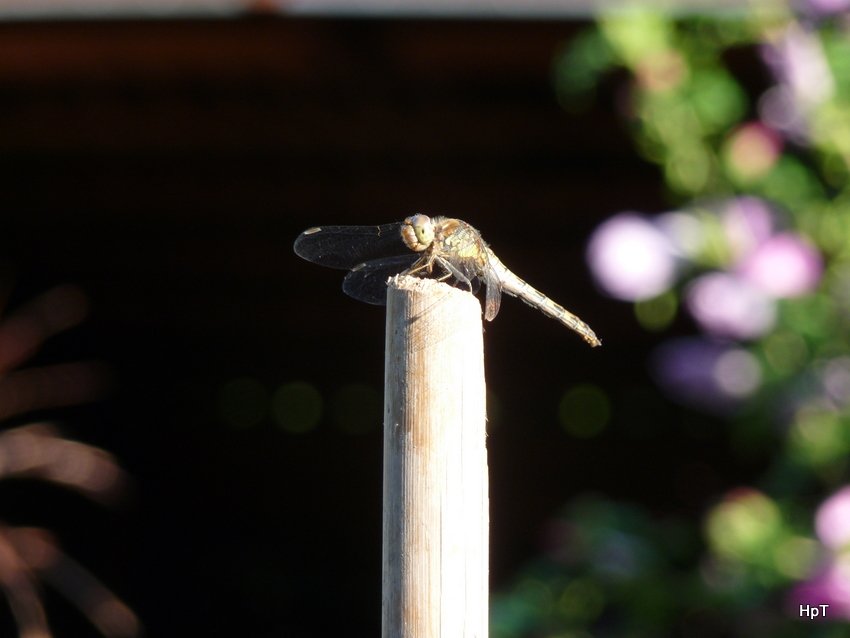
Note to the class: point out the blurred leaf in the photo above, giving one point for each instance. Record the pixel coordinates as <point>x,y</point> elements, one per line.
<point>717,98</point>
<point>635,34</point>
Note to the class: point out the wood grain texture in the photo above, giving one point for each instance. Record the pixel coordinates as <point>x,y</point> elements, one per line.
<point>435,544</point>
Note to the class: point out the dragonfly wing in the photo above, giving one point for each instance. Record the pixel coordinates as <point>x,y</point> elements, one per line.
<point>347,246</point>
<point>368,282</point>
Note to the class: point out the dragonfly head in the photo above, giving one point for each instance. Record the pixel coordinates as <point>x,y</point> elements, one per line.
<point>418,232</point>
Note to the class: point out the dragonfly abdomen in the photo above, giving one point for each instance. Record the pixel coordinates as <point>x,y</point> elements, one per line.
<point>521,289</point>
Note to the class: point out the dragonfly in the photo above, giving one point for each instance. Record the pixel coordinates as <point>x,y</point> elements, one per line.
<point>440,247</point>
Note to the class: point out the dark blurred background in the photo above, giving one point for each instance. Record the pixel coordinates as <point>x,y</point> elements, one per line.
<point>166,167</point>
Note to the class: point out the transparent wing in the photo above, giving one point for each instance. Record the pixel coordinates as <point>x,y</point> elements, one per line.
<point>347,246</point>
<point>368,282</point>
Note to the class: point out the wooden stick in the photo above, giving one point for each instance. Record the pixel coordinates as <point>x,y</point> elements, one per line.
<point>436,513</point>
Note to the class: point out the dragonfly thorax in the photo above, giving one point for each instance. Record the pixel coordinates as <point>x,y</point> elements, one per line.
<point>418,232</point>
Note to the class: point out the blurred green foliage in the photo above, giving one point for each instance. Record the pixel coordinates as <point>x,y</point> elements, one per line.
<point>759,551</point>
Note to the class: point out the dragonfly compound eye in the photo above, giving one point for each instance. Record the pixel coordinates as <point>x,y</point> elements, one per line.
<point>418,232</point>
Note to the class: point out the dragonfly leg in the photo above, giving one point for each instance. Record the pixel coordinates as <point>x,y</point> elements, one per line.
<point>425,263</point>
<point>452,271</point>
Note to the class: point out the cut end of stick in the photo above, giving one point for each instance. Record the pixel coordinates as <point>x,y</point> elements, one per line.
<point>425,285</point>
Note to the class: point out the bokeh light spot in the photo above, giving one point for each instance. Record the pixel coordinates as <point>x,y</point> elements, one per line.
<point>790,183</point>
<point>687,370</point>
<point>777,109</point>
<point>737,373</point>
<point>836,380</point>
<point>584,411</point>
<point>785,265</point>
<point>795,556</point>
<point>297,407</point>
<point>243,402</point>
<point>747,222</point>
<point>688,169</point>
<point>684,231</point>
<point>630,258</point>
<point>785,351</point>
<point>818,438</point>
<point>829,584</point>
<point>582,599</point>
<point>535,595</point>
<point>657,313</point>
<point>744,526</point>
<point>717,99</point>
<point>727,306</point>
<point>832,231</point>
<point>357,409</point>
<point>661,71</point>
<point>832,520</point>
<point>752,151</point>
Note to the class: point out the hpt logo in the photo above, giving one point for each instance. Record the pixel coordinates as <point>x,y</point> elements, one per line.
<point>813,611</point>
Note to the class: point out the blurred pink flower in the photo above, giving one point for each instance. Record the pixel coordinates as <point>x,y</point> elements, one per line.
<point>832,521</point>
<point>725,305</point>
<point>630,258</point>
<point>747,222</point>
<point>785,265</point>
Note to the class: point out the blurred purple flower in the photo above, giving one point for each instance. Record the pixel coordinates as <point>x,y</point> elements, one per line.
<point>707,374</point>
<point>830,586</point>
<point>630,258</point>
<point>832,521</point>
<point>785,265</point>
<point>747,222</point>
<point>725,305</point>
